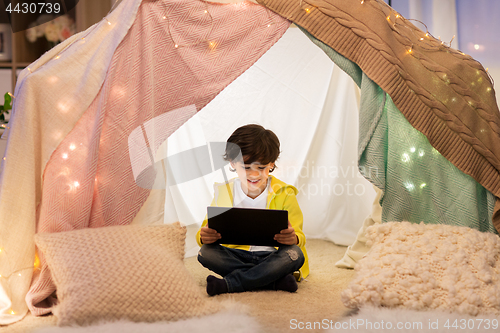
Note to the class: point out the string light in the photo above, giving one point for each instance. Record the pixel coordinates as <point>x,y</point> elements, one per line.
<point>409,186</point>
<point>65,156</point>
<point>206,38</point>
<point>72,146</point>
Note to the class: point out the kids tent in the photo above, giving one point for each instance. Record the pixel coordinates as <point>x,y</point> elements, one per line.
<point>91,115</point>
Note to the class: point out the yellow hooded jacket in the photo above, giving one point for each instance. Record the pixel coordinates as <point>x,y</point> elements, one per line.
<point>281,196</point>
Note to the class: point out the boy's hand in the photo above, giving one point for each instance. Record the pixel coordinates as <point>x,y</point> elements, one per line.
<point>287,236</point>
<point>209,236</point>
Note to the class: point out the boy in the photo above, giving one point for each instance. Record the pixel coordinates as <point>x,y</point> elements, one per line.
<point>247,267</point>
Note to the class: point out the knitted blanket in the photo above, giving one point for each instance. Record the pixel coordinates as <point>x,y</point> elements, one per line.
<point>442,92</point>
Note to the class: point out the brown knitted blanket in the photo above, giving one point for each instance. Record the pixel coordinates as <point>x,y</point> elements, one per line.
<point>442,92</point>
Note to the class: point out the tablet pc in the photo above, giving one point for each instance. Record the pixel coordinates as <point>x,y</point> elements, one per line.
<point>247,226</point>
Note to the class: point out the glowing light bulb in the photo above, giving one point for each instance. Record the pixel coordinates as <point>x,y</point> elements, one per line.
<point>12,313</point>
<point>164,17</point>
<point>206,11</point>
<point>423,185</point>
<point>72,146</point>
<point>268,25</point>
<point>4,160</point>
<point>57,57</point>
<point>362,1</point>
<point>65,155</point>
<point>409,186</point>
<point>412,149</point>
<point>76,184</point>
<point>176,46</point>
<point>19,274</point>
<point>410,51</point>
<point>476,46</point>
<point>421,153</point>
<point>389,18</point>
<point>487,89</point>
<point>307,10</point>
<point>405,157</point>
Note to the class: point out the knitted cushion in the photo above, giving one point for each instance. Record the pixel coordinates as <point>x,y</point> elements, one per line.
<point>423,267</point>
<point>122,272</point>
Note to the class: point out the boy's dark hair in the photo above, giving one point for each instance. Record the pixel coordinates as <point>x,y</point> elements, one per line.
<point>256,143</point>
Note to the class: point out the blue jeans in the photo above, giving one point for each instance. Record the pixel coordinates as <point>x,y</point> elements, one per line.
<point>245,270</point>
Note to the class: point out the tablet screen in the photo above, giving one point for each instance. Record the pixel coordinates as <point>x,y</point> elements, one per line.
<point>247,226</point>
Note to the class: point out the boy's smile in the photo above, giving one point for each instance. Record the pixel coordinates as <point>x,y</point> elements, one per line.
<point>253,177</point>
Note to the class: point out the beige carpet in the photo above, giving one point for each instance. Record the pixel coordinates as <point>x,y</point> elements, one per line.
<point>318,297</point>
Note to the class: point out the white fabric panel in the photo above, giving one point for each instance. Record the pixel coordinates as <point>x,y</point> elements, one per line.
<point>444,21</point>
<point>312,106</point>
<point>440,16</point>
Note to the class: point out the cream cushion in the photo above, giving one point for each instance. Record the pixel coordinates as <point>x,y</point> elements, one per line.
<point>122,272</point>
<point>424,266</point>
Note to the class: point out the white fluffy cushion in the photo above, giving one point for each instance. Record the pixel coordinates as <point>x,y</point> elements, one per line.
<point>123,272</point>
<point>423,266</point>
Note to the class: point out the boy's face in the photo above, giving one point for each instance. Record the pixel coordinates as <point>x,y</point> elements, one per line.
<point>253,177</point>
